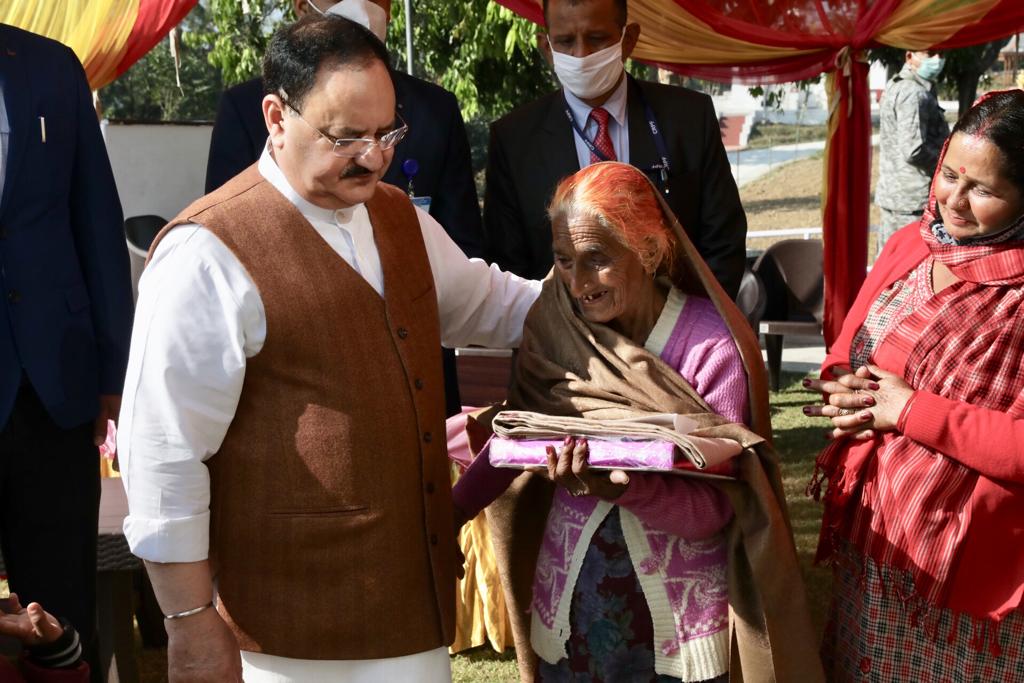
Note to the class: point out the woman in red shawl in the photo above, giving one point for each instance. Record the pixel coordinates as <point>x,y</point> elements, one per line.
<point>924,509</point>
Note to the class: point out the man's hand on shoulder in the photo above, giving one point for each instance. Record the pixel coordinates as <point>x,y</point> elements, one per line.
<point>201,649</point>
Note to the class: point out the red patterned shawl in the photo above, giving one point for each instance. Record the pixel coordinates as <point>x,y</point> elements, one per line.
<point>901,503</point>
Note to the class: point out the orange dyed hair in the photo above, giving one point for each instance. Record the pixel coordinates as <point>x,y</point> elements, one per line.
<point>620,198</point>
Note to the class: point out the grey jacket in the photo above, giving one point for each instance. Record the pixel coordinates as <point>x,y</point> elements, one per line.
<point>913,128</point>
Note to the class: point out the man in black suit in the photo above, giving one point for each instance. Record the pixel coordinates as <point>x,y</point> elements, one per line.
<point>541,142</point>
<point>432,162</point>
<point>67,315</point>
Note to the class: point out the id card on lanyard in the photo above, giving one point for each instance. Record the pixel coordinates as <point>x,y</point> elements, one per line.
<point>662,167</point>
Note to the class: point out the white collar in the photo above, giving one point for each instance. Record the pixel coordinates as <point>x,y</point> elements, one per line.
<point>615,105</point>
<point>269,169</point>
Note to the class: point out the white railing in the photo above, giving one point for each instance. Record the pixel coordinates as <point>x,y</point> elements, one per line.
<point>785,232</point>
<point>806,233</point>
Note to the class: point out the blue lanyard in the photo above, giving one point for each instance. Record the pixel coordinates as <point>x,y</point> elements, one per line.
<point>662,166</point>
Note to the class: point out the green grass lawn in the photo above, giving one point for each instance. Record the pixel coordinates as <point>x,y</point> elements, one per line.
<point>798,439</point>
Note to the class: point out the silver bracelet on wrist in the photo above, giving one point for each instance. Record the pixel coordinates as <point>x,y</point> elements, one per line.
<point>189,612</point>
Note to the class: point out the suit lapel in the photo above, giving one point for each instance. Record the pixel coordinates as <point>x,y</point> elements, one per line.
<point>18,101</point>
<point>557,141</point>
<point>642,152</point>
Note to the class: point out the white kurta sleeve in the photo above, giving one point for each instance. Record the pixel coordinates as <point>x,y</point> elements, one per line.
<point>479,305</point>
<point>198,318</point>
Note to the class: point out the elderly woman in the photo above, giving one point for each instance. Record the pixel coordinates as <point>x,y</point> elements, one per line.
<point>924,511</point>
<point>631,579</point>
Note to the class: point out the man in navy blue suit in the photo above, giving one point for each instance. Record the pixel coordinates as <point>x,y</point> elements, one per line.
<point>65,322</point>
<point>435,150</point>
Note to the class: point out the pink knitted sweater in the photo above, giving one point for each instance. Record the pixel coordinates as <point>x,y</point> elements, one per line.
<point>676,520</point>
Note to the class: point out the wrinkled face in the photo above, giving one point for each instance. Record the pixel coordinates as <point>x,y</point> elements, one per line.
<point>346,102</point>
<point>605,278</point>
<point>974,196</point>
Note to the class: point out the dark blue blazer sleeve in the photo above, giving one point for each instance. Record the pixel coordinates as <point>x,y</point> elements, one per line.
<point>238,135</point>
<point>437,141</point>
<point>97,225</point>
<point>458,208</point>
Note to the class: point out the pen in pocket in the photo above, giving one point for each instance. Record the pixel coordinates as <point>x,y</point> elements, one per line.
<point>42,128</point>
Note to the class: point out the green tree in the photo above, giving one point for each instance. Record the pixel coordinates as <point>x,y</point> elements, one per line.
<point>484,53</point>
<point>149,90</point>
<point>238,33</point>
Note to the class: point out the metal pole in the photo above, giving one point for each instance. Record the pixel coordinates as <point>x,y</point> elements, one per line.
<point>408,37</point>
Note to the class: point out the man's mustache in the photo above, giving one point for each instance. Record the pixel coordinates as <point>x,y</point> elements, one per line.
<point>355,171</point>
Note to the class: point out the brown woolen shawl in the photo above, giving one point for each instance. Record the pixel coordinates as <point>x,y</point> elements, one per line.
<point>569,367</point>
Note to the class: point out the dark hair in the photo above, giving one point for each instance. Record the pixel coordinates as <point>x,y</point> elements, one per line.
<point>999,118</point>
<point>620,5</point>
<point>297,52</point>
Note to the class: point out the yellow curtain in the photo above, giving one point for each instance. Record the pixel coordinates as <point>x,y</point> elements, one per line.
<point>919,24</point>
<point>97,30</point>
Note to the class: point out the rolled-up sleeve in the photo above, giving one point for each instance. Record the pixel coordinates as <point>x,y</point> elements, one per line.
<point>198,319</point>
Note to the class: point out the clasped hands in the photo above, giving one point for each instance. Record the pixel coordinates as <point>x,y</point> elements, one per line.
<point>860,404</point>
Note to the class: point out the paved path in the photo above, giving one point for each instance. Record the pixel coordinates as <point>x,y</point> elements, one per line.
<point>750,164</point>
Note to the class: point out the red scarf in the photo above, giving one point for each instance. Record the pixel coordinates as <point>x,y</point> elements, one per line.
<point>907,506</point>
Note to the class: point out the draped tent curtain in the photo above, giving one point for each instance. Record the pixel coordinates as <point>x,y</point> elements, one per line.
<point>107,35</point>
<point>758,42</point>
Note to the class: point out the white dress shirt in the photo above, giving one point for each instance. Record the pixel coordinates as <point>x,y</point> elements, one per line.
<point>618,123</point>
<point>199,317</point>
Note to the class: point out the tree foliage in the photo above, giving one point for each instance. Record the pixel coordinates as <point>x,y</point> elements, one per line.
<point>481,51</point>
<point>149,90</point>
<point>238,32</point>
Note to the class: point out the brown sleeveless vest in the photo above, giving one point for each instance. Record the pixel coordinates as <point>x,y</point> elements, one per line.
<point>331,535</point>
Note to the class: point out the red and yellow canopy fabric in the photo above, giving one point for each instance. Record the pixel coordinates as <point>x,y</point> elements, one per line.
<point>107,35</point>
<point>786,40</point>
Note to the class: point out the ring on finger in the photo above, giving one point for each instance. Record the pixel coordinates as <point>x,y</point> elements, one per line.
<point>844,412</point>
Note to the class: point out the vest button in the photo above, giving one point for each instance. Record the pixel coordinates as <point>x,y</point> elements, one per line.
<point>430,487</point>
<point>427,436</point>
<point>418,383</point>
<point>402,333</point>
<point>14,296</point>
<point>433,539</point>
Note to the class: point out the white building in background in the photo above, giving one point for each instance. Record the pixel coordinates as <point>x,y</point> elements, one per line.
<point>159,168</point>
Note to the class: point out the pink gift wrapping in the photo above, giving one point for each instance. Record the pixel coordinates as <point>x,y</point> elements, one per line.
<point>605,454</point>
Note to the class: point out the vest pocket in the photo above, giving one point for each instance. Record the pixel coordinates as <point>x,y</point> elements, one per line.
<point>335,511</point>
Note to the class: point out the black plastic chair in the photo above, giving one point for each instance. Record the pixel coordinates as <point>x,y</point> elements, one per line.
<point>794,282</point>
<point>139,232</point>
<point>752,298</point>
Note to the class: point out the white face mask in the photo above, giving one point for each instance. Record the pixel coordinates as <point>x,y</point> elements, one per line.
<point>362,12</point>
<point>590,76</point>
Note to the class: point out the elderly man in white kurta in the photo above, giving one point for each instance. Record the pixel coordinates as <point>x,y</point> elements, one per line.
<point>282,436</point>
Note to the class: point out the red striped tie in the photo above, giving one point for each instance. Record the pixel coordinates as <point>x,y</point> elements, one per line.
<point>603,141</point>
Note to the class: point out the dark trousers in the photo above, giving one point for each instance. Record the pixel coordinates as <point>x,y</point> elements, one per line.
<point>49,508</point>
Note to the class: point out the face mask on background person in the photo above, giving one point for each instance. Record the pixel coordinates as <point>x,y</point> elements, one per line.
<point>590,76</point>
<point>362,12</point>
<point>931,67</point>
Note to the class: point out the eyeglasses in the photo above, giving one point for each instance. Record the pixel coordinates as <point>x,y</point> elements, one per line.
<point>357,147</point>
